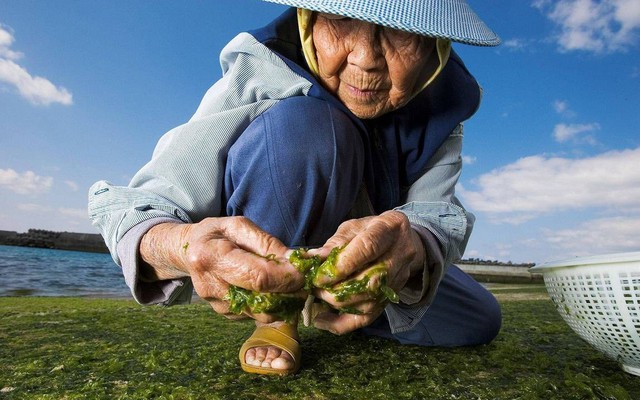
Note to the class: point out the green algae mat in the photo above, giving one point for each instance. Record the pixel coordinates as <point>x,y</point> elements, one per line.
<point>74,348</point>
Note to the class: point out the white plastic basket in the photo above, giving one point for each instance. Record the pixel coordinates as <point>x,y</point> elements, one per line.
<point>599,297</point>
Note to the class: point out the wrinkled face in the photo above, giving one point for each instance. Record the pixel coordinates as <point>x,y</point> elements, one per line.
<point>371,69</point>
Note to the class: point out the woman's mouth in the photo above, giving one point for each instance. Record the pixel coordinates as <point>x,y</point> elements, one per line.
<point>362,94</point>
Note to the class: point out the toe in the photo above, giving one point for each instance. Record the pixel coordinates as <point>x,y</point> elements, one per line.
<point>250,356</point>
<point>282,362</point>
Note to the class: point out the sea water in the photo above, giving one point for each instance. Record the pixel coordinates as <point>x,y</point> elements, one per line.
<point>28,271</point>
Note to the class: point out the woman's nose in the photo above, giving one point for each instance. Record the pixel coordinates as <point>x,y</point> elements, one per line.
<point>366,50</point>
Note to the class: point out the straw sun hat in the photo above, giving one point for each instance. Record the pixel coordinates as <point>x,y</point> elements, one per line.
<point>445,19</point>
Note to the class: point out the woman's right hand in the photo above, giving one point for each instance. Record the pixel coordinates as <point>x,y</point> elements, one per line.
<point>219,252</point>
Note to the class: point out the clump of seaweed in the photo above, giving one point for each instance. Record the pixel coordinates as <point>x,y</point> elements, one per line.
<point>287,306</point>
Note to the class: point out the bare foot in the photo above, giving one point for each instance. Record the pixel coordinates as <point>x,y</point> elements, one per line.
<point>270,356</point>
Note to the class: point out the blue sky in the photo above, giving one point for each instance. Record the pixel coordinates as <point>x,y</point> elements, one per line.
<point>552,158</point>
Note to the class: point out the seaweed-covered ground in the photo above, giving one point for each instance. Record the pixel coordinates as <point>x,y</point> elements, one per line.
<point>76,348</point>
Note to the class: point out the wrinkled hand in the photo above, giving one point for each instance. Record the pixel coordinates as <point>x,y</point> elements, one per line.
<point>217,253</point>
<point>378,246</point>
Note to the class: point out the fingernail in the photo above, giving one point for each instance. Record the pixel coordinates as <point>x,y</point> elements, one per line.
<point>324,327</point>
<point>320,324</point>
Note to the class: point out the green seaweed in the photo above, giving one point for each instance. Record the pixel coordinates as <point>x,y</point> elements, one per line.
<point>313,267</point>
<point>306,265</point>
<point>344,291</point>
<point>287,307</point>
<point>390,294</point>
<point>281,305</point>
<point>328,268</point>
<point>80,348</point>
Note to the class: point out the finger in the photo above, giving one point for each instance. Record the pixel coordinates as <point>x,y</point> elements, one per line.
<point>362,308</point>
<point>344,234</point>
<point>367,247</point>
<point>222,308</point>
<point>346,231</point>
<point>266,307</point>
<point>244,255</point>
<point>340,324</point>
<point>321,252</point>
<point>368,279</point>
<point>209,287</point>
<point>364,287</point>
<point>248,236</point>
<point>264,318</point>
<point>334,302</point>
<point>260,273</point>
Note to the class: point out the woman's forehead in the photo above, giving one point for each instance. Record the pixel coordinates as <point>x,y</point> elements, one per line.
<point>350,26</point>
<point>331,16</point>
<point>450,20</point>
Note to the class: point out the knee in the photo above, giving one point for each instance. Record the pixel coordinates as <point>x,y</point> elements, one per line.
<point>298,139</point>
<point>296,170</point>
<point>310,130</point>
<point>492,316</point>
<point>481,326</point>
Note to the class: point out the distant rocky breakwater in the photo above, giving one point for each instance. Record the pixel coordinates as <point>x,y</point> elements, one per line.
<point>481,270</point>
<point>89,242</point>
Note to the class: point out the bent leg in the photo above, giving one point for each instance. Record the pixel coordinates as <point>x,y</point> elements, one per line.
<point>463,313</point>
<point>296,171</point>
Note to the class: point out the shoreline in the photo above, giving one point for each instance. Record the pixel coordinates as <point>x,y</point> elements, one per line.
<point>40,238</point>
<point>500,274</point>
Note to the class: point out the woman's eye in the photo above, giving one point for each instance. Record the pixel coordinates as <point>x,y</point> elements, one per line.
<point>397,34</point>
<point>334,17</point>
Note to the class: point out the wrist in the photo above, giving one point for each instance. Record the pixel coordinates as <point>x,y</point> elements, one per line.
<point>419,273</point>
<point>418,265</point>
<point>162,252</point>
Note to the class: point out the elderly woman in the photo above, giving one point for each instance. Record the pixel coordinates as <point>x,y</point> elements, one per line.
<point>337,125</point>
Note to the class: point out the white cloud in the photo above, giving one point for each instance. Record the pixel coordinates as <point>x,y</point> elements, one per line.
<point>576,133</point>
<point>72,185</point>
<point>79,213</point>
<point>31,207</point>
<point>6,41</point>
<point>604,235</point>
<point>560,106</point>
<point>538,185</point>
<point>37,90</point>
<point>594,25</point>
<point>25,183</point>
<point>515,44</point>
<point>468,160</point>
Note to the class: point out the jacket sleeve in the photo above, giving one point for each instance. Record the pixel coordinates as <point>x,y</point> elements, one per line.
<point>181,183</point>
<point>183,180</point>
<point>431,200</point>
<point>443,225</point>
<point>123,215</point>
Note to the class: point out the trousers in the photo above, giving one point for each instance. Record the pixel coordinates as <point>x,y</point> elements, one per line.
<point>296,172</point>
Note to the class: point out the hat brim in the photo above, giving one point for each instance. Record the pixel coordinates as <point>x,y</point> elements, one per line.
<point>445,19</point>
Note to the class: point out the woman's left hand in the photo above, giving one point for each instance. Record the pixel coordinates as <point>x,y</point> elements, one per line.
<point>383,248</point>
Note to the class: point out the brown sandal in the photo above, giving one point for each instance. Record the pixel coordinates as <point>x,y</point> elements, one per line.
<point>281,337</point>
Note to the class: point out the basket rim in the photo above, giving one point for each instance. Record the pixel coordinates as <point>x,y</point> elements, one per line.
<point>614,258</point>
